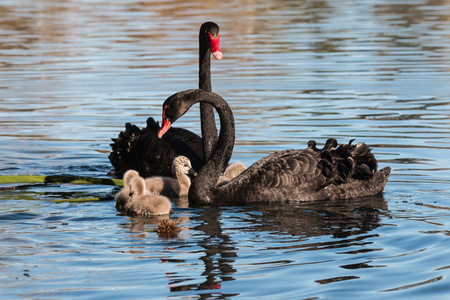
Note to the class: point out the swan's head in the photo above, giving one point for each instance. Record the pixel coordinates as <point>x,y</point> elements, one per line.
<point>209,33</point>
<point>175,106</point>
<point>182,165</point>
<point>178,104</point>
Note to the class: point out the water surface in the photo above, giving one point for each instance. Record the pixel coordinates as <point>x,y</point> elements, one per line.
<point>74,72</point>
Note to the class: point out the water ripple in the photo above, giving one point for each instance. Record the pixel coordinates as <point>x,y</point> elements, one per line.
<point>74,72</point>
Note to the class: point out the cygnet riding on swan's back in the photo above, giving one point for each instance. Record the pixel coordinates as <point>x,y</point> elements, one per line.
<point>142,202</point>
<point>141,150</point>
<point>173,187</point>
<point>231,171</point>
<point>290,175</point>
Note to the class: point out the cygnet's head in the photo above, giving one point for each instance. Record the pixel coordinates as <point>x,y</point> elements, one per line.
<point>182,165</point>
<point>137,186</point>
<point>128,175</point>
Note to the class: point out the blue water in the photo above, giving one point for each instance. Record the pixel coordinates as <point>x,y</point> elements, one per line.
<point>74,72</point>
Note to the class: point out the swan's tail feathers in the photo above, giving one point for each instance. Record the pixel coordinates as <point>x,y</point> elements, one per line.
<point>330,144</point>
<point>345,162</point>
<point>152,125</point>
<point>373,186</point>
<point>121,146</point>
<point>354,161</point>
<point>381,178</point>
<point>357,188</point>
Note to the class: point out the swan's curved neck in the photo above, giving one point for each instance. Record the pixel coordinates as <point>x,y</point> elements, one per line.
<point>204,183</point>
<point>208,124</point>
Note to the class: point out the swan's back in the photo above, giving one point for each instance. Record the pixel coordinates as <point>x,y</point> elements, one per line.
<point>281,176</point>
<point>306,175</point>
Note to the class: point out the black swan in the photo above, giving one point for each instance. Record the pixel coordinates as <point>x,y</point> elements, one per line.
<point>169,186</point>
<point>142,202</point>
<point>291,175</point>
<point>141,150</point>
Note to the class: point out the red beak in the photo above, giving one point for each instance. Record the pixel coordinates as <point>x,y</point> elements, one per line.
<point>165,126</point>
<point>215,49</point>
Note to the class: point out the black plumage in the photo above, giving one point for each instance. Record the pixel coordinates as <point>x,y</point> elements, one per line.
<point>141,150</point>
<point>334,172</point>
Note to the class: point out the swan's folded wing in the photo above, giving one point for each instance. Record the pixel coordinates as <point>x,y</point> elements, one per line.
<point>290,169</point>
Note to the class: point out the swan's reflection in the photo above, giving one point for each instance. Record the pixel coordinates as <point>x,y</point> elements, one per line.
<point>341,219</point>
<point>346,222</point>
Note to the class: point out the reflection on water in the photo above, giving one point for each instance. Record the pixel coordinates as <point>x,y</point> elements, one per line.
<point>75,71</point>
<point>211,245</point>
<point>221,252</point>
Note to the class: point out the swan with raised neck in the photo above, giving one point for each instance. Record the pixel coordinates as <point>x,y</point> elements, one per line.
<point>141,149</point>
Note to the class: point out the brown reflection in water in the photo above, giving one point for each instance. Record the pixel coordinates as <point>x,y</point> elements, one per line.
<point>41,22</point>
<point>139,224</point>
<point>412,13</point>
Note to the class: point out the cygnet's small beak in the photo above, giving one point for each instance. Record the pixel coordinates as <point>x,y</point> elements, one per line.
<point>192,172</point>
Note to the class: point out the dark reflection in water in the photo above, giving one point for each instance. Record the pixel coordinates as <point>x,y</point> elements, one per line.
<point>345,223</point>
<point>340,219</point>
<point>219,253</point>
